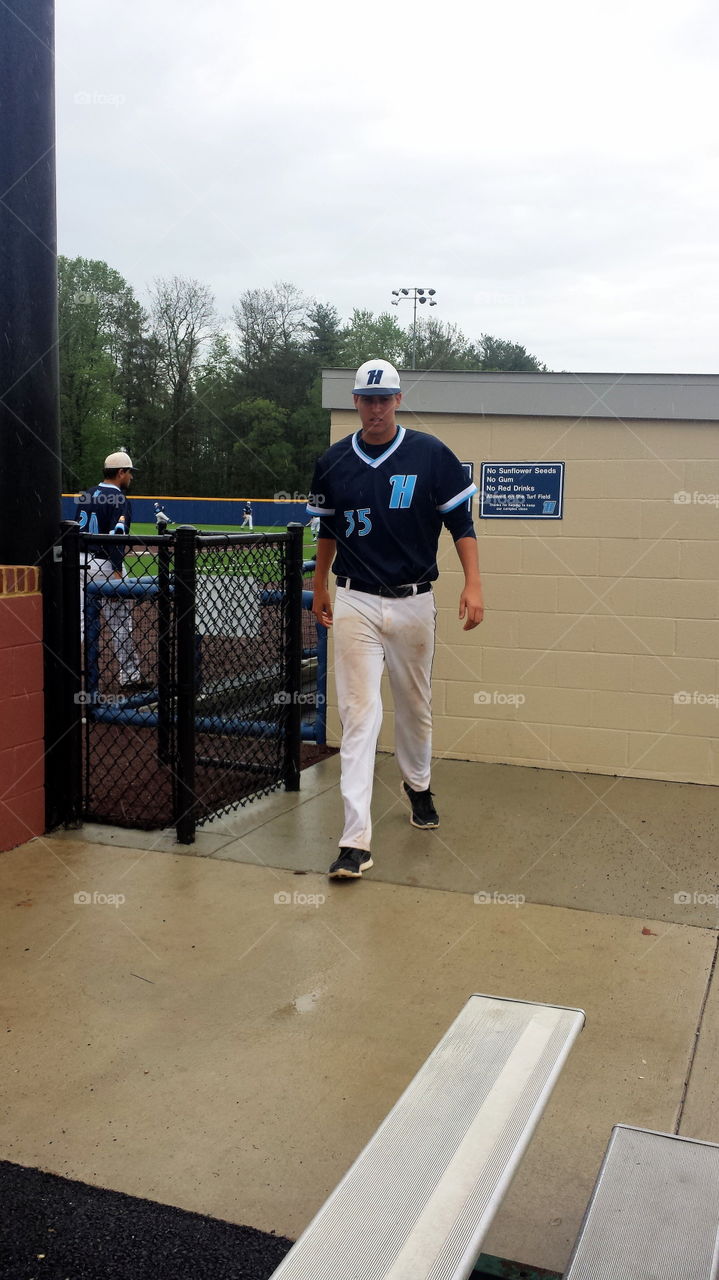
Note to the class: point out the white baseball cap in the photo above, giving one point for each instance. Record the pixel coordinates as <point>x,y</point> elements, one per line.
<point>114,461</point>
<point>376,378</point>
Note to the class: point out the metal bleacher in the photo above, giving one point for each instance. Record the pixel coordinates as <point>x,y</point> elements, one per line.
<point>419,1199</point>
<point>654,1211</point>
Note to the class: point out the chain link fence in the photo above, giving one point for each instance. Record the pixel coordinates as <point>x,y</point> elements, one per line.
<point>187,696</point>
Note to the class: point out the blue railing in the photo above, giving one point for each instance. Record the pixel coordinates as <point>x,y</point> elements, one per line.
<point>316,731</point>
<point>134,709</point>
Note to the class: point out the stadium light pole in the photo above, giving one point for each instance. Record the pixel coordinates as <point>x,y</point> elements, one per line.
<point>415,295</point>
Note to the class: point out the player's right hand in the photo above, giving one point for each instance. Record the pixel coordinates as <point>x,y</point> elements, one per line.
<point>322,607</point>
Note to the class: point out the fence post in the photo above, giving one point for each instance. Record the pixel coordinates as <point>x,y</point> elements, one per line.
<point>185,583</point>
<point>70,724</point>
<point>293,657</point>
<point>164,649</point>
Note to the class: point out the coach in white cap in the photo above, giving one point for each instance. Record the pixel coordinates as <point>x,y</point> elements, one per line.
<point>106,509</point>
<point>382,497</point>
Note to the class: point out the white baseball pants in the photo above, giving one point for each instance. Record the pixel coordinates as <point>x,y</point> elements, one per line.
<point>370,631</point>
<point>118,615</point>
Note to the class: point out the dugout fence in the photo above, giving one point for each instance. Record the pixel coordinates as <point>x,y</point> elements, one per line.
<point>187,679</point>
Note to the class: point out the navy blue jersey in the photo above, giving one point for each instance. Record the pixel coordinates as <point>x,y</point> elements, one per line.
<point>385,505</point>
<point>100,510</point>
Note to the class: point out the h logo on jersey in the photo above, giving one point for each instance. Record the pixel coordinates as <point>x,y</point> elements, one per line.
<point>374,377</point>
<point>402,491</point>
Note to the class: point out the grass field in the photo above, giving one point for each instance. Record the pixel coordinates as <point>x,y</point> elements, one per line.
<point>141,565</point>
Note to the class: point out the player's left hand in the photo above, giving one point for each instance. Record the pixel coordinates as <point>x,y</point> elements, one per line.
<point>471,607</point>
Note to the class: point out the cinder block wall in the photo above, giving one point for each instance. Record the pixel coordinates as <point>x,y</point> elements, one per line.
<point>599,650</point>
<point>22,769</point>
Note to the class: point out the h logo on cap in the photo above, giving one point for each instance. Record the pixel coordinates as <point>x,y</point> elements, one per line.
<point>374,377</point>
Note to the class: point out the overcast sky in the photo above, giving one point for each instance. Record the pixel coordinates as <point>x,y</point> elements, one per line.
<point>551,169</point>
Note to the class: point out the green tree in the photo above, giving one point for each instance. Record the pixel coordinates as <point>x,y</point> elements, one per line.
<point>272,329</point>
<point>100,324</point>
<point>215,413</point>
<point>324,335</point>
<point>309,436</point>
<point>368,336</point>
<point>436,346</point>
<point>217,418</point>
<point>183,314</point>
<point>262,455</point>
<point>495,355</point>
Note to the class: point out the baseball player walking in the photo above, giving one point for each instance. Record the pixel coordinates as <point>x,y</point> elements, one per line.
<point>382,496</point>
<point>107,509</point>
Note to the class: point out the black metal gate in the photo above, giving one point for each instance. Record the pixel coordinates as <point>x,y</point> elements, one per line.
<point>183,674</point>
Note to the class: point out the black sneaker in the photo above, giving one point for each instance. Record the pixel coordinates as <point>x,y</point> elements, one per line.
<point>350,864</point>
<point>136,684</point>
<point>423,814</point>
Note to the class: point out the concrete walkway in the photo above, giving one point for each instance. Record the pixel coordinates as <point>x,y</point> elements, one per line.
<point>224,1032</point>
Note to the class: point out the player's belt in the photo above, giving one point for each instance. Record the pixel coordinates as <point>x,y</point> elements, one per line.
<point>378,589</point>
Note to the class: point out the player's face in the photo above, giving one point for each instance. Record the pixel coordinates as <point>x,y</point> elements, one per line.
<point>124,478</point>
<point>377,415</point>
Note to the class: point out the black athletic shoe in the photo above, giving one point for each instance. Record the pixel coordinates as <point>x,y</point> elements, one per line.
<point>350,864</point>
<point>424,814</point>
<point>136,684</point>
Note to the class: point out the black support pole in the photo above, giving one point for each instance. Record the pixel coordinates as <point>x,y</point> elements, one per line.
<point>30,476</point>
<point>293,657</point>
<point>164,648</point>
<point>185,583</point>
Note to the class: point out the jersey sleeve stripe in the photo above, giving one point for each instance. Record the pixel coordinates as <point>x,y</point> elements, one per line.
<point>320,511</point>
<point>459,498</point>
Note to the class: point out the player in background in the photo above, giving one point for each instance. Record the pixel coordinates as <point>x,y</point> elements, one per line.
<point>382,496</point>
<point>247,515</point>
<point>107,509</point>
<point>161,519</point>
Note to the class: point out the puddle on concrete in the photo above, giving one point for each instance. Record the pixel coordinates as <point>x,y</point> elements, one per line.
<point>305,1004</point>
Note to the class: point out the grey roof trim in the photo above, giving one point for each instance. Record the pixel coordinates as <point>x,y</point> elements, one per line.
<point>665,396</point>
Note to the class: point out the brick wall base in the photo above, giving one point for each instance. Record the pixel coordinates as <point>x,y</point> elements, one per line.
<point>22,767</point>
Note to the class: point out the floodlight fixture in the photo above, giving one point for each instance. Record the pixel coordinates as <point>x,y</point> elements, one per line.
<point>416,294</point>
